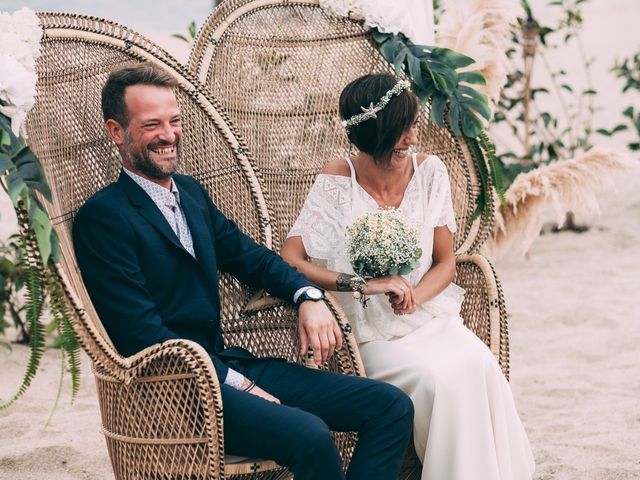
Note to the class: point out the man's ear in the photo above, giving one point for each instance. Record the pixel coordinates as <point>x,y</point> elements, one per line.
<point>115,131</point>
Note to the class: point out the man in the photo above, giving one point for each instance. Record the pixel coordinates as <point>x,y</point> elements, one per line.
<point>149,247</point>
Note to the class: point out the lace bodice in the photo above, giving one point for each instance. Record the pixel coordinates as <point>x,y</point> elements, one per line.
<point>335,201</point>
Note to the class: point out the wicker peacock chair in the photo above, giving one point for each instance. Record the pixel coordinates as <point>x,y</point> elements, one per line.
<point>162,414</point>
<point>277,67</point>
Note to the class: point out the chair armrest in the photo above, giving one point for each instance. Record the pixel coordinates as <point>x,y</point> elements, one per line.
<point>268,327</point>
<point>166,415</point>
<point>483,309</point>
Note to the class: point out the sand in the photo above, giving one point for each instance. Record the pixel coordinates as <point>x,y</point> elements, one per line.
<point>575,340</point>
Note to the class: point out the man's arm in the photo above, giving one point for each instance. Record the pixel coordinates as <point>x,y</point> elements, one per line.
<point>252,263</point>
<point>260,267</point>
<point>105,247</point>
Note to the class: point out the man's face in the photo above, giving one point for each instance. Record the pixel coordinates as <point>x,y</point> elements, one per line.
<point>152,138</point>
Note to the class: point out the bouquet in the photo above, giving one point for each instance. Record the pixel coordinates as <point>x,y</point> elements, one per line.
<point>383,243</point>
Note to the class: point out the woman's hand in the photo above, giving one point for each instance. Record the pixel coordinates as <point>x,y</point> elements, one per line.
<point>396,287</point>
<point>397,307</point>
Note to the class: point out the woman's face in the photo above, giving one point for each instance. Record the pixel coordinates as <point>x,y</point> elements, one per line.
<point>407,140</point>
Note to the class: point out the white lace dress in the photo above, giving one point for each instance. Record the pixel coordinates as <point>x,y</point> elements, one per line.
<point>466,425</point>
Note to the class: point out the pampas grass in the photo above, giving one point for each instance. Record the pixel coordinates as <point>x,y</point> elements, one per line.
<point>481,29</point>
<point>563,186</point>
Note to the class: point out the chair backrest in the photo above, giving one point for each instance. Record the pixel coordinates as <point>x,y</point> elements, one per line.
<point>278,67</point>
<point>67,134</point>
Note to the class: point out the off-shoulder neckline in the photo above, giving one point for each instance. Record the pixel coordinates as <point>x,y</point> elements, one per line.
<point>348,177</point>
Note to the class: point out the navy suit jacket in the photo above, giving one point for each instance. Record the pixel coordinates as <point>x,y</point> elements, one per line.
<point>147,288</point>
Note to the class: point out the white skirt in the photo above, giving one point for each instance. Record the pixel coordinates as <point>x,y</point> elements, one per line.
<point>466,425</point>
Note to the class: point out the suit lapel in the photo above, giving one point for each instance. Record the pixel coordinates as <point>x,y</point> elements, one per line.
<point>200,224</point>
<point>196,214</point>
<point>148,209</point>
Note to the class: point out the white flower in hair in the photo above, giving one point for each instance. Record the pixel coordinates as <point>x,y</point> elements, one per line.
<point>372,110</point>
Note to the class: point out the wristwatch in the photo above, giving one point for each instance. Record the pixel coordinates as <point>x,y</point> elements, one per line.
<point>312,293</point>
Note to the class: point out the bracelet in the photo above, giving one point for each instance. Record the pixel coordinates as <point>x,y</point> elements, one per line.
<point>250,387</point>
<point>350,283</point>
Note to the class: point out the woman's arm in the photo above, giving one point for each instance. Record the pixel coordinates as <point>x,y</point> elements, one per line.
<point>442,271</point>
<point>294,253</point>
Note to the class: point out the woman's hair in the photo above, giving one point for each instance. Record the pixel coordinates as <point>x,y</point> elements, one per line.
<point>377,136</point>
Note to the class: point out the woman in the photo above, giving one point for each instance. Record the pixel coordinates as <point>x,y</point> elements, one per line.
<point>410,334</point>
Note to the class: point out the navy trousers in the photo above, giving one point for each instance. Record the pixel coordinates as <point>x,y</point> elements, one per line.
<point>296,434</point>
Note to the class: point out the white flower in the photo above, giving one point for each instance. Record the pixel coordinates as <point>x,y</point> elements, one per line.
<point>20,36</point>
<point>344,8</point>
<point>382,243</point>
<point>17,90</point>
<point>388,17</point>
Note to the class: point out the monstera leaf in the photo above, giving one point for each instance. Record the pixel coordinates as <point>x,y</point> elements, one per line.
<point>434,75</point>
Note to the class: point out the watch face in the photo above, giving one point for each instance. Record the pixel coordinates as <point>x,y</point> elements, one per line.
<point>314,294</point>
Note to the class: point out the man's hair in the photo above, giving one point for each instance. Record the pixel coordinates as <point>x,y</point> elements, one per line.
<point>377,136</point>
<point>113,104</point>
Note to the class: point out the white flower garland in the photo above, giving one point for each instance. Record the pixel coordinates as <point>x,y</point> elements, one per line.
<point>372,110</point>
<point>413,18</point>
<point>20,36</point>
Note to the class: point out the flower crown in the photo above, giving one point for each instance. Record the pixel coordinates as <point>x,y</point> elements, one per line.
<point>372,111</point>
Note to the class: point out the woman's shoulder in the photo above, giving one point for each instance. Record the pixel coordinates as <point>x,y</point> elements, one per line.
<point>338,167</point>
<point>430,163</point>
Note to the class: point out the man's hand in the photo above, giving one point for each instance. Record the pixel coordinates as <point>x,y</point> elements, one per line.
<point>318,328</point>
<point>258,392</point>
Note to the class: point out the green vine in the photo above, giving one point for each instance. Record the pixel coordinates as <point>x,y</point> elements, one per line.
<point>34,306</point>
<point>495,168</point>
<point>22,177</point>
<point>66,336</point>
<point>483,206</point>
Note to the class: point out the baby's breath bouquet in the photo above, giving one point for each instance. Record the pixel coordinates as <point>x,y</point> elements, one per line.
<point>383,243</point>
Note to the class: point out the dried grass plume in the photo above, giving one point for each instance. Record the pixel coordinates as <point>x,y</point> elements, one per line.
<point>481,29</point>
<point>563,186</point>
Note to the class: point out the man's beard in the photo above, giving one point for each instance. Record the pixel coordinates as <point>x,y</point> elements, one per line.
<point>142,162</point>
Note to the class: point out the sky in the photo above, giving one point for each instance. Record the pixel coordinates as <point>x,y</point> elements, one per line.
<point>156,19</point>
<point>148,15</point>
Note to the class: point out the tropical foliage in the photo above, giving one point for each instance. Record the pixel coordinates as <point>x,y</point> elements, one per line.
<point>435,78</point>
<point>629,71</point>
<point>538,136</point>
<point>29,261</point>
<point>13,275</point>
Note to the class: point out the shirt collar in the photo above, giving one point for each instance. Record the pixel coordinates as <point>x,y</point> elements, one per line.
<point>153,189</point>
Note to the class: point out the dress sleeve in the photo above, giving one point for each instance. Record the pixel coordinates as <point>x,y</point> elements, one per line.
<point>438,189</point>
<point>320,222</point>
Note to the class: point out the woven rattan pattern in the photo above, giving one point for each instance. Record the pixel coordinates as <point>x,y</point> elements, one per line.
<point>161,409</point>
<point>290,62</point>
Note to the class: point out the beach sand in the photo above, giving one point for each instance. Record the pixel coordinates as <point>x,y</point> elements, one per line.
<point>575,374</point>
